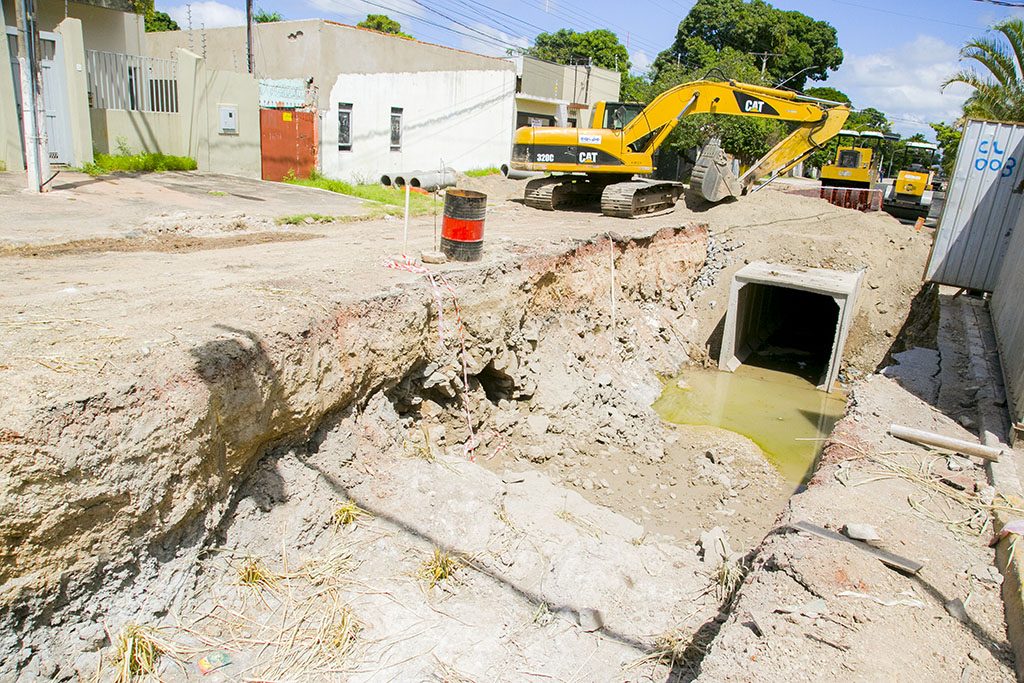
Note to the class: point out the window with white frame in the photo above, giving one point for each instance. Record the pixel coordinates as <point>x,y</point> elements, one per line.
<point>396,129</point>
<point>344,126</point>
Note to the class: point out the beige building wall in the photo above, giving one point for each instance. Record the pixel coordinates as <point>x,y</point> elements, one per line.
<point>11,157</point>
<point>77,81</point>
<point>195,131</point>
<point>318,49</point>
<point>141,131</point>
<point>568,84</point>
<point>103,29</point>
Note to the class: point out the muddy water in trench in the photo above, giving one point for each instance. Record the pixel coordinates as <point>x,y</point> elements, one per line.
<point>785,415</point>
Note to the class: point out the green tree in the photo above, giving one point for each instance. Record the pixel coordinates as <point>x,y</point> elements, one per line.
<point>745,137</point>
<point>600,47</point>
<point>869,119</point>
<point>384,24</point>
<point>999,94</point>
<point>806,48</point>
<point>262,16</point>
<point>830,94</point>
<point>160,21</point>
<point>948,138</point>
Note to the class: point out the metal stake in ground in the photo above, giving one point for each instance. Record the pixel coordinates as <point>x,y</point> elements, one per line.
<point>405,230</point>
<point>611,260</point>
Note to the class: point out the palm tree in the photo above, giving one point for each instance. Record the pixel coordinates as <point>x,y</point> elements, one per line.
<point>998,95</point>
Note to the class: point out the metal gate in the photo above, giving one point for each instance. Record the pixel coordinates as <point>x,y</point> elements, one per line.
<point>288,143</point>
<point>55,93</point>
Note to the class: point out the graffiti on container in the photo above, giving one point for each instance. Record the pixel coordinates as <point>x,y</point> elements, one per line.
<point>984,163</point>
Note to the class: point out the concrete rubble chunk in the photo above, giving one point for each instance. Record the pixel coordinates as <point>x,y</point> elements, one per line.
<point>513,477</point>
<point>590,620</point>
<point>538,424</point>
<point>861,532</point>
<point>715,546</point>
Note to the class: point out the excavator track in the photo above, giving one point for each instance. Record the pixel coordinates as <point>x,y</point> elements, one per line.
<point>636,198</point>
<point>556,192</point>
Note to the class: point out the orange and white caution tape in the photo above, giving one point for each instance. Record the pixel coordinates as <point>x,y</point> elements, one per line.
<point>408,265</point>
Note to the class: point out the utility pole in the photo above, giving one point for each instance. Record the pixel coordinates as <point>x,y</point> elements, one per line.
<point>33,116</point>
<point>248,33</point>
<point>764,59</point>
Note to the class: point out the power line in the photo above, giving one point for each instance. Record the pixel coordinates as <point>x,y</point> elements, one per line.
<point>905,15</point>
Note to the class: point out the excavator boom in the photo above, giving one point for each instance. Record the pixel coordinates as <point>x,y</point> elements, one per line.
<point>608,154</point>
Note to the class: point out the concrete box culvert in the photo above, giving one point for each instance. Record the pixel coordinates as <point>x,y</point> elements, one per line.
<point>808,309</point>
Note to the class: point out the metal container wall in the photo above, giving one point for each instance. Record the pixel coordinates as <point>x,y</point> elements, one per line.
<point>981,208</point>
<point>1008,321</point>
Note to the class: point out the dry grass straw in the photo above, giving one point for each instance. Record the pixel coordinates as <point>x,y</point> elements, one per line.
<point>253,572</point>
<point>583,525</point>
<point>728,577</point>
<point>347,514</point>
<point>977,509</point>
<point>308,633</point>
<point>330,567</point>
<point>138,650</point>
<point>446,673</point>
<point>439,567</point>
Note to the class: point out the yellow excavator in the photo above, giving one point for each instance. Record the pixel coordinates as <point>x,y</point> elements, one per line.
<point>602,161</point>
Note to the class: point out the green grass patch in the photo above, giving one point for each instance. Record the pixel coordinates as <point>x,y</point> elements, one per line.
<point>419,204</point>
<point>144,162</point>
<point>300,218</point>
<point>477,172</point>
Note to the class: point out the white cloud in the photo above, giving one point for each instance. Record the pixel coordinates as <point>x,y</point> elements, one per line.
<point>639,61</point>
<point>496,47</point>
<point>208,14</point>
<point>905,82</point>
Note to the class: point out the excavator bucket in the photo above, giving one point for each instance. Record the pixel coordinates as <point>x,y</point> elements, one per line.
<point>712,178</point>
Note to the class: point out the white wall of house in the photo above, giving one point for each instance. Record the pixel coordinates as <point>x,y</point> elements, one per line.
<point>464,118</point>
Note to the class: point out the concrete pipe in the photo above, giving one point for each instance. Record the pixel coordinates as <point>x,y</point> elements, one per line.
<point>385,180</point>
<point>400,179</point>
<point>433,180</point>
<point>513,174</point>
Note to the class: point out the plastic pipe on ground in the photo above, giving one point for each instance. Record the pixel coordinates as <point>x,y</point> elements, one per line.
<point>949,443</point>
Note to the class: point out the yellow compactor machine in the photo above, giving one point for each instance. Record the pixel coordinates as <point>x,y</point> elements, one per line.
<point>858,162</point>
<point>603,161</point>
<point>910,195</point>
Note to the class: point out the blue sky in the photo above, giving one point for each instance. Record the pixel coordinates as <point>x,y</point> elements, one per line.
<point>896,53</point>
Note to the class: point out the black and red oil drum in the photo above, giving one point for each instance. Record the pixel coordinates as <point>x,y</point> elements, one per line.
<point>462,231</point>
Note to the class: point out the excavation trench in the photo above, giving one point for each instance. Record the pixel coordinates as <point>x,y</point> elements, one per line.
<point>230,514</point>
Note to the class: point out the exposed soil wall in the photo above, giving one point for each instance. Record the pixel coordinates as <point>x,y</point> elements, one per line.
<point>122,488</point>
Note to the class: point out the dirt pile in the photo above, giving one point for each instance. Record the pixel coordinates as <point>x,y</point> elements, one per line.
<point>136,419</point>
<point>815,609</point>
<point>119,523</point>
<point>772,226</point>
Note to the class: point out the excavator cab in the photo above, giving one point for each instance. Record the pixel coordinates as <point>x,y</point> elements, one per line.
<point>614,115</point>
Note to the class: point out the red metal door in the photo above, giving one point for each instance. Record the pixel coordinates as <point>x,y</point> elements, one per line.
<point>288,143</point>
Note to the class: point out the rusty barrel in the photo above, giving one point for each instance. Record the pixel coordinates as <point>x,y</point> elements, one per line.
<point>462,231</point>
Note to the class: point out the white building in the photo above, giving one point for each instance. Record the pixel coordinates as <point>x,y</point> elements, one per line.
<point>385,104</point>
